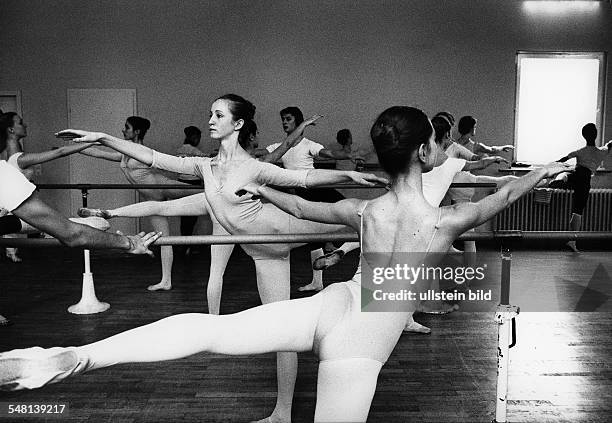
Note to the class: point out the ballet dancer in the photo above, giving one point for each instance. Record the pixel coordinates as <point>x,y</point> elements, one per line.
<point>231,169</point>
<point>196,205</point>
<point>436,183</point>
<point>356,156</point>
<point>134,130</point>
<point>14,130</point>
<point>588,159</point>
<point>467,129</point>
<point>451,161</point>
<point>352,345</point>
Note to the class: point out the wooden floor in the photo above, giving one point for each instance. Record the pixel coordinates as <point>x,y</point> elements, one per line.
<point>560,371</point>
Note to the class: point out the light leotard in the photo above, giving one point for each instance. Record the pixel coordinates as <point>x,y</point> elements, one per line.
<point>245,215</point>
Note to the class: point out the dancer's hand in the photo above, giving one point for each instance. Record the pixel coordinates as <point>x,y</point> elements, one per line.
<point>78,135</point>
<point>139,244</point>
<point>553,169</point>
<point>494,159</point>
<point>367,179</point>
<point>250,188</point>
<point>506,148</point>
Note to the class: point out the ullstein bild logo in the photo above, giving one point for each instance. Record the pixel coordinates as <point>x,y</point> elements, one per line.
<point>400,282</point>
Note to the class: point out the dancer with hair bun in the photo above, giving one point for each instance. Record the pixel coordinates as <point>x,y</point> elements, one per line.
<point>227,173</point>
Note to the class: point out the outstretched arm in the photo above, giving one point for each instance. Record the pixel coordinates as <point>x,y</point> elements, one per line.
<point>41,216</point>
<point>342,212</point>
<point>566,158</point>
<point>483,163</point>
<point>480,148</point>
<point>334,154</point>
<point>112,156</point>
<point>469,215</point>
<point>270,174</point>
<point>30,159</point>
<point>139,152</point>
<point>317,177</point>
<point>292,140</point>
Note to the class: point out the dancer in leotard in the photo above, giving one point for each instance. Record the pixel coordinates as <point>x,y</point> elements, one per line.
<point>196,205</point>
<point>352,345</point>
<point>229,171</point>
<point>588,159</point>
<point>455,159</point>
<point>14,130</point>
<point>436,183</point>
<point>135,130</point>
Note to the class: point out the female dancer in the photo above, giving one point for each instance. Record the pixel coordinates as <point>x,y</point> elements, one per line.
<point>13,130</point>
<point>196,205</point>
<point>588,159</point>
<point>135,130</point>
<point>436,183</point>
<point>451,161</point>
<point>229,171</point>
<point>352,345</point>
<point>467,129</point>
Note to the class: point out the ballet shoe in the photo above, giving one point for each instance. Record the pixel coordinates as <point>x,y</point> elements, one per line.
<point>572,246</point>
<point>32,368</point>
<point>311,287</point>
<point>92,221</point>
<point>162,286</point>
<point>415,327</point>
<point>87,212</point>
<point>328,260</point>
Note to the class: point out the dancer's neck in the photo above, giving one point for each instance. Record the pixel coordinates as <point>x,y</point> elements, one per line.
<point>230,150</point>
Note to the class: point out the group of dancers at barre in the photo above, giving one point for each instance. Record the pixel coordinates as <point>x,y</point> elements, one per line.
<point>351,345</point>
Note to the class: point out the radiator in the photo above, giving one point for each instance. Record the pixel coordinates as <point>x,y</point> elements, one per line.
<point>551,210</point>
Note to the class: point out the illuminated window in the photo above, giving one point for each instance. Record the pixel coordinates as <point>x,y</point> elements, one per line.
<point>556,95</point>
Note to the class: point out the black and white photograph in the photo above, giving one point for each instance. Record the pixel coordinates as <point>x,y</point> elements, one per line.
<point>278,211</point>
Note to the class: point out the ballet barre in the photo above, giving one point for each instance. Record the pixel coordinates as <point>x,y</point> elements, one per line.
<point>500,236</point>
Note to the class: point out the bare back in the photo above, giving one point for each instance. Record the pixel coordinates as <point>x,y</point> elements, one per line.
<point>403,224</point>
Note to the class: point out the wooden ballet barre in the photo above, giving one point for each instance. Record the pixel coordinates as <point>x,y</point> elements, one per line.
<point>86,187</point>
<point>344,237</point>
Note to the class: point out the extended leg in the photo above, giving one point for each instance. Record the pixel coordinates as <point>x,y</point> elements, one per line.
<point>193,205</point>
<point>281,326</point>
